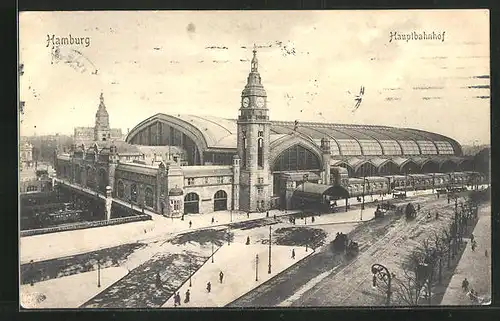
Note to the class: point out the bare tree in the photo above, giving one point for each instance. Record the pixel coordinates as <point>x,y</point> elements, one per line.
<point>440,247</point>
<point>409,287</point>
<point>429,265</point>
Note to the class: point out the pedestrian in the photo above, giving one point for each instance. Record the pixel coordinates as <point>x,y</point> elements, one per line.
<point>486,253</point>
<point>274,216</point>
<point>248,214</point>
<point>213,220</point>
<point>190,224</point>
<point>312,219</point>
<point>209,287</point>
<point>182,217</point>
<point>178,298</point>
<point>248,240</point>
<point>221,276</point>
<point>188,296</point>
<point>267,214</point>
<point>293,254</point>
<point>418,207</point>
<point>465,285</point>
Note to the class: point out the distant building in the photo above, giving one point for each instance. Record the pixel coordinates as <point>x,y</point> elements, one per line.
<point>26,154</point>
<point>101,132</point>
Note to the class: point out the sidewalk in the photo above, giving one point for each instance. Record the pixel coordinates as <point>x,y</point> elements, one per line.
<point>237,262</point>
<point>474,266</point>
<point>70,291</point>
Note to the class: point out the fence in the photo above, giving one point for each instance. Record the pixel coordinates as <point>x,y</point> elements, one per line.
<point>84,225</point>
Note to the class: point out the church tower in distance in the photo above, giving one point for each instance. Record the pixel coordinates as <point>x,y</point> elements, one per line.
<point>102,132</point>
<point>253,144</point>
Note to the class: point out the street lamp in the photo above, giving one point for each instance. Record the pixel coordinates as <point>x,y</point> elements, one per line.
<point>212,251</point>
<point>269,266</point>
<point>305,178</point>
<point>190,270</point>
<point>382,272</point>
<point>363,202</point>
<point>98,273</point>
<point>256,267</point>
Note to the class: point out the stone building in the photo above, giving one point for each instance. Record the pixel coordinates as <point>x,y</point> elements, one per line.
<point>101,131</point>
<point>201,164</point>
<point>26,154</point>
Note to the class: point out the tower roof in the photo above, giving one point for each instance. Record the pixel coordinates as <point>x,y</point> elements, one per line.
<point>102,107</point>
<point>254,86</point>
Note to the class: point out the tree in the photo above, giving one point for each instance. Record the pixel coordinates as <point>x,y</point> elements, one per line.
<point>408,288</point>
<point>431,259</point>
<point>440,246</point>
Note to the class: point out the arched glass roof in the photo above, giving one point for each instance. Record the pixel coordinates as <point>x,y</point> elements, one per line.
<point>211,132</point>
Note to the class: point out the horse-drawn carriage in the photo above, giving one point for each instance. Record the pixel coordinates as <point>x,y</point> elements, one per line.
<point>343,244</point>
<point>410,211</point>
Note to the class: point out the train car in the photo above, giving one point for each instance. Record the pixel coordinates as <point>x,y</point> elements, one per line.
<point>377,185</point>
<point>420,181</point>
<point>397,182</point>
<point>440,180</point>
<point>355,187</point>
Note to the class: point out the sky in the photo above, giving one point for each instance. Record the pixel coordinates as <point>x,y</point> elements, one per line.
<point>312,64</point>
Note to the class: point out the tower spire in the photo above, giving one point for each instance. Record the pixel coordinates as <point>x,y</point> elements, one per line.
<point>255,62</point>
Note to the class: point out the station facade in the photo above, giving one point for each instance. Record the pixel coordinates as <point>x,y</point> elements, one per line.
<point>175,164</point>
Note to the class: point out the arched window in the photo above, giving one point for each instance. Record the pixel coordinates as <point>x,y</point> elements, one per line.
<point>260,152</point>
<point>296,158</point>
<point>121,189</point>
<point>149,197</point>
<point>133,192</point>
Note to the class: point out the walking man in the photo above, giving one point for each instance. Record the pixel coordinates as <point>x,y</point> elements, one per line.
<point>188,296</point>
<point>267,214</point>
<point>248,240</point>
<point>248,214</point>
<point>190,224</point>
<point>465,285</point>
<point>178,298</point>
<point>209,287</point>
<point>274,216</point>
<point>213,220</point>
<point>312,219</point>
<point>221,276</point>
<point>293,254</point>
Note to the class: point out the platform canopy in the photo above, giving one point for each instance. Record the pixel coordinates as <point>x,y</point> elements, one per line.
<point>319,191</point>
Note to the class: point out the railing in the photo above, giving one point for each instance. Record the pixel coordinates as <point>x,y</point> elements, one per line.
<point>85,225</point>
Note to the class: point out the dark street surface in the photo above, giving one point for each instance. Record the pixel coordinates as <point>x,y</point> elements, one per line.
<point>139,288</point>
<point>86,262</point>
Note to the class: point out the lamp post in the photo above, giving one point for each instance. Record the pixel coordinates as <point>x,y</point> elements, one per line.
<point>382,272</point>
<point>305,177</point>
<point>98,273</point>
<point>190,270</point>
<point>363,195</point>
<point>212,251</point>
<point>228,236</point>
<point>256,267</point>
<point>269,266</point>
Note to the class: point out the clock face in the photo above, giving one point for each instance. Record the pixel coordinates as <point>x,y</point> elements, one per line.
<point>260,102</point>
<point>246,102</point>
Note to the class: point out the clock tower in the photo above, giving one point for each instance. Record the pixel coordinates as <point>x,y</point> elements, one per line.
<point>102,132</point>
<point>253,144</point>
